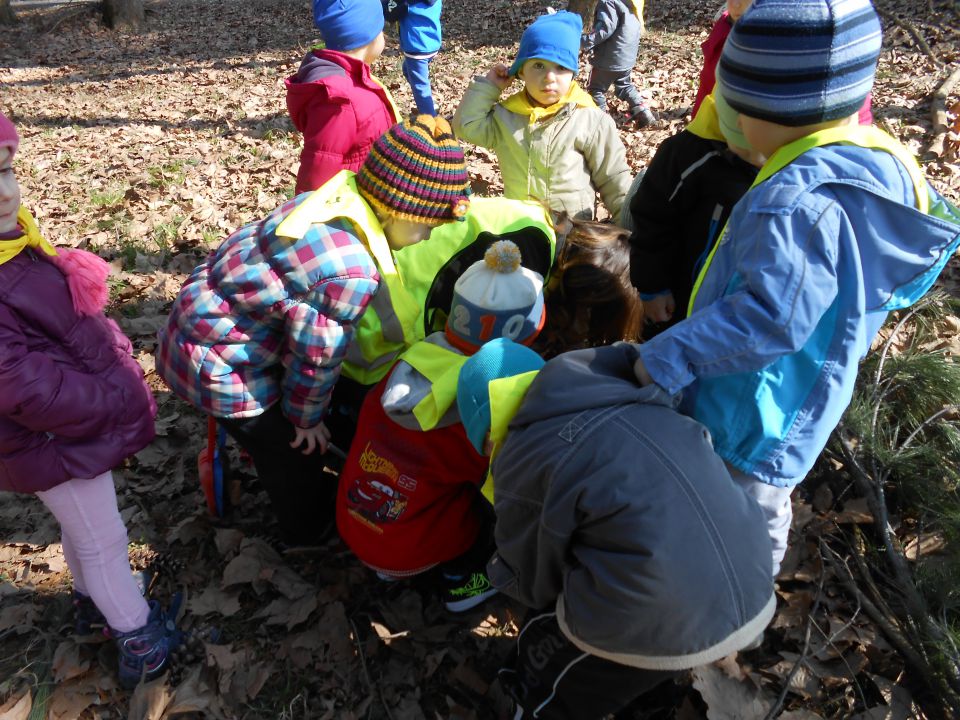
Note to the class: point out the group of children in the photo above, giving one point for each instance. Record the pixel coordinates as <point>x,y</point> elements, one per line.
<point>466,351</point>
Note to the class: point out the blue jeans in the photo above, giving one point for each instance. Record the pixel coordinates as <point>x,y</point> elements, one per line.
<point>417,72</point>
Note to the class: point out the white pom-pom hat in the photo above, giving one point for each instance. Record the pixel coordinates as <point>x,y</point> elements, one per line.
<point>496,297</point>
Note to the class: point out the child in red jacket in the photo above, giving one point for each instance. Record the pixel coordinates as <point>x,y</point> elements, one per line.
<point>408,495</point>
<point>333,99</point>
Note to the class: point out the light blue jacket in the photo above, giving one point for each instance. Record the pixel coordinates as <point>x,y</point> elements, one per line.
<point>812,260</point>
<point>420,31</point>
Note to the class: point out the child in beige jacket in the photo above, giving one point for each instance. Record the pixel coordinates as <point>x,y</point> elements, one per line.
<point>552,142</point>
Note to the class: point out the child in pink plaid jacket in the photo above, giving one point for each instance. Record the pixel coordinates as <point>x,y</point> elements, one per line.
<point>257,334</point>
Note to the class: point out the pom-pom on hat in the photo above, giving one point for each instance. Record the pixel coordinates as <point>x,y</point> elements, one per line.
<point>554,37</point>
<point>496,297</point>
<point>348,24</point>
<point>500,358</point>
<point>8,135</point>
<point>801,62</point>
<point>415,171</point>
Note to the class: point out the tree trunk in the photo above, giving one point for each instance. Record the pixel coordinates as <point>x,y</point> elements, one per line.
<point>585,9</point>
<point>123,14</point>
<point>6,13</point>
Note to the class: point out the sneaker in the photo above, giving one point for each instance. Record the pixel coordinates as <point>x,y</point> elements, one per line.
<point>144,653</point>
<point>641,116</point>
<point>88,618</point>
<point>467,591</point>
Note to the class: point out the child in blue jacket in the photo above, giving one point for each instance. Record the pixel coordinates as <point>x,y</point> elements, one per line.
<point>839,228</point>
<point>420,39</point>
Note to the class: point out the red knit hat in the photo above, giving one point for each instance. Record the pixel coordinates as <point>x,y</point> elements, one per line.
<point>8,135</point>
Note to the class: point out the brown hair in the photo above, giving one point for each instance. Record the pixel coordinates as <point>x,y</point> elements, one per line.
<point>590,300</point>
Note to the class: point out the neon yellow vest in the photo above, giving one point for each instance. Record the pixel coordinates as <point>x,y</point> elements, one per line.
<point>866,136</point>
<point>506,397</point>
<point>394,319</point>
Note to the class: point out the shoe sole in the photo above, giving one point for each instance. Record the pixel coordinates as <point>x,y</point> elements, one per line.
<point>457,606</point>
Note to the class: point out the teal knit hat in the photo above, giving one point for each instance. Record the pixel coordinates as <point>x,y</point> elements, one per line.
<point>500,358</point>
<point>554,37</point>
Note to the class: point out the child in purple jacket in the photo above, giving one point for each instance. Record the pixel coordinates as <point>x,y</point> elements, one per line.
<point>73,404</point>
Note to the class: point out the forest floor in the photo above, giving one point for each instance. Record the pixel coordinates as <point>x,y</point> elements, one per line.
<point>148,149</point>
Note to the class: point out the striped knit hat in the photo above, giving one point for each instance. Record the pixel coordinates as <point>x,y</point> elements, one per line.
<point>801,62</point>
<point>415,171</point>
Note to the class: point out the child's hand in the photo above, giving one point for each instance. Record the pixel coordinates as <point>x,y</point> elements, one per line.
<point>315,437</point>
<point>643,375</point>
<point>660,309</point>
<point>499,75</point>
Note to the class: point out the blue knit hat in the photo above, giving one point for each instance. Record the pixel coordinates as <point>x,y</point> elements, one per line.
<point>554,37</point>
<point>348,24</point>
<point>500,358</point>
<point>801,62</point>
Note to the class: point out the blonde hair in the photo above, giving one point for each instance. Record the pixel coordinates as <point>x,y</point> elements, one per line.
<point>590,300</point>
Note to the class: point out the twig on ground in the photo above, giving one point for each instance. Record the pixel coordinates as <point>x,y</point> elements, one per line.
<point>366,672</point>
<point>775,709</point>
<point>912,31</point>
<point>938,111</point>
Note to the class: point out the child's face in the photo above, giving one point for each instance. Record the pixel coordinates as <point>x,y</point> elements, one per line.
<point>765,137</point>
<point>546,82</point>
<point>402,233</point>
<point>9,192</point>
<point>375,49</point>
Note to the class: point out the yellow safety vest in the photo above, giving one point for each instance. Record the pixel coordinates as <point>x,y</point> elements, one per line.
<point>866,136</point>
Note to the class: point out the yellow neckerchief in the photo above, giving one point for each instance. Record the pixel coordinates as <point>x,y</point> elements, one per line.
<point>520,104</point>
<point>637,7</point>
<point>865,136</point>
<point>506,396</point>
<point>442,368</point>
<point>31,237</point>
<point>393,104</point>
<point>706,123</point>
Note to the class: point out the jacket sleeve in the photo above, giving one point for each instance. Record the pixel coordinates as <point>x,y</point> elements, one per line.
<point>607,160</point>
<point>784,280</point>
<point>474,120</point>
<point>530,558</point>
<point>45,396</point>
<point>605,23</point>
<point>657,210</point>
<point>329,134</point>
<point>319,328</point>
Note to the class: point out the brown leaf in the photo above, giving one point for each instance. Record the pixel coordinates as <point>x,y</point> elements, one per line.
<point>17,706</point>
<point>150,699</point>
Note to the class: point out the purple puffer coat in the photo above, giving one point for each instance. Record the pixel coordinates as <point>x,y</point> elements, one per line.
<point>73,402</point>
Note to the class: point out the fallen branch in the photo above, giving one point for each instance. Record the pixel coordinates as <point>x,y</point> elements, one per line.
<point>938,110</point>
<point>908,28</point>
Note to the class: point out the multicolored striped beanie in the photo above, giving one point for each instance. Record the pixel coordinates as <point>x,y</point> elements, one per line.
<point>801,62</point>
<point>415,171</point>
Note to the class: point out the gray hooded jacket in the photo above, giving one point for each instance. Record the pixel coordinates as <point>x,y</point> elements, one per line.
<point>613,506</point>
<point>615,39</point>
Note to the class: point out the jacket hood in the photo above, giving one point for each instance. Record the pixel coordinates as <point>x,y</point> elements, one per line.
<point>902,271</point>
<point>320,64</point>
<point>608,371</point>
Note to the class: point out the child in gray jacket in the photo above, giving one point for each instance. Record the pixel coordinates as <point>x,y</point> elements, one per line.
<point>617,524</point>
<point>615,40</point>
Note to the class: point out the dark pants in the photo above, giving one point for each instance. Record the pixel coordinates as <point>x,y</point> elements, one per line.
<point>600,81</point>
<point>552,679</point>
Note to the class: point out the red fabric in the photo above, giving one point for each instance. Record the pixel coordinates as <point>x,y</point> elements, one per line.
<point>340,115</point>
<point>405,498</point>
<point>712,48</point>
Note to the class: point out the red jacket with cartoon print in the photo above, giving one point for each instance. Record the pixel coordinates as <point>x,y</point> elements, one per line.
<point>340,109</point>
<point>405,497</point>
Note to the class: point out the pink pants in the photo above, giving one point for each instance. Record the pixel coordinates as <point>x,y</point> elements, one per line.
<point>95,548</point>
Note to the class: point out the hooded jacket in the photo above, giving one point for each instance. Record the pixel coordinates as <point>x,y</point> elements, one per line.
<point>73,403</point>
<point>340,109</point>
<point>614,506</point>
<point>615,38</point>
<point>562,159</point>
<point>812,260</point>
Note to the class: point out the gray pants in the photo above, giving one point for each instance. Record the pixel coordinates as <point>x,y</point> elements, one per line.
<point>777,510</point>
<point>600,81</point>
